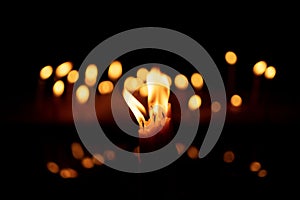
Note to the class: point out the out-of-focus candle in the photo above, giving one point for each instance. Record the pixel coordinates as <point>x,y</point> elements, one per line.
<point>258,70</point>
<point>231,59</point>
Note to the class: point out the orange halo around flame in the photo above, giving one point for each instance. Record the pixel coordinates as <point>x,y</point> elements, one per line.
<point>158,87</point>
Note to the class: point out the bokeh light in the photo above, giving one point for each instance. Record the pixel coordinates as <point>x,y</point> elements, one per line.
<point>236,100</point>
<point>105,87</point>
<point>73,76</point>
<point>63,69</point>
<point>197,80</point>
<point>58,88</point>
<point>259,67</point>
<point>46,72</point>
<point>228,156</point>
<point>115,70</point>
<point>255,166</point>
<point>194,102</point>
<point>82,94</point>
<point>181,82</point>
<point>230,57</point>
<point>270,72</point>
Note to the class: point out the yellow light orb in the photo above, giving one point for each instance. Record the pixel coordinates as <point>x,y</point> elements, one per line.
<point>197,80</point>
<point>105,87</point>
<point>270,72</point>
<point>115,70</point>
<point>181,82</point>
<point>82,94</point>
<point>73,76</point>
<point>194,102</point>
<point>46,72</point>
<point>230,57</point>
<point>236,100</point>
<point>58,88</point>
<point>259,68</point>
<point>63,69</point>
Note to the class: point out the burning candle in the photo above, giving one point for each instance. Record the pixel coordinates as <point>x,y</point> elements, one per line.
<point>258,70</point>
<point>231,59</point>
<point>153,132</point>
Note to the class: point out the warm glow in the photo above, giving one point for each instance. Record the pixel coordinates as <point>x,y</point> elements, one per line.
<point>73,76</point>
<point>68,173</point>
<point>270,72</point>
<point>236,100</point>
<point>46,72</point>
<point>230,57</point>
<point>158,92</point>
<point>262,173</point>
<point>115,70</point>
<point>98,159</point>
<point>58,88</point>
<point>215,106</point>
<point>91,74</point>
<point>193,152</point>
<point>63,69</point>
<point>132,84</point>
<point>181,82</point>
<point>87,163</point>
<point>228,157</point>
<point>194,102</point>
<point>105,87</point>
<point>197,80</point>
<point>109,155</point>
<point>180,148</point>
<point>82,94</point>
<point>77,150</point>
<point>255,166</point>
<point>259,68</point>
<point>142,74</point>
<point>135,106</point>
<point>144,91</point>
<point>53,167</point>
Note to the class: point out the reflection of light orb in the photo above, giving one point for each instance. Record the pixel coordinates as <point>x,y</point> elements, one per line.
<point>192,152</point>
<point>255,166</point>
<point>262,173</point>
<point>215,106</point>
<point>87,162</point>
<point>228,157</point>
<point>52,167</point>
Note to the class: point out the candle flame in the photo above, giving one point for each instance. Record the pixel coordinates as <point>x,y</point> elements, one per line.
<point>158,90</point>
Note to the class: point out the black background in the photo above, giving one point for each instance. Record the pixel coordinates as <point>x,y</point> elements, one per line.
<point>44,36</point>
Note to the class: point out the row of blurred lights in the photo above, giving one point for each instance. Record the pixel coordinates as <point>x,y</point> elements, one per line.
<point>259,68</point>
<point>133,83</point>
<point>88,162</point>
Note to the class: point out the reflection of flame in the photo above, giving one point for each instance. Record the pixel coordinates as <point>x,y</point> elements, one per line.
<point>158,87</point>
